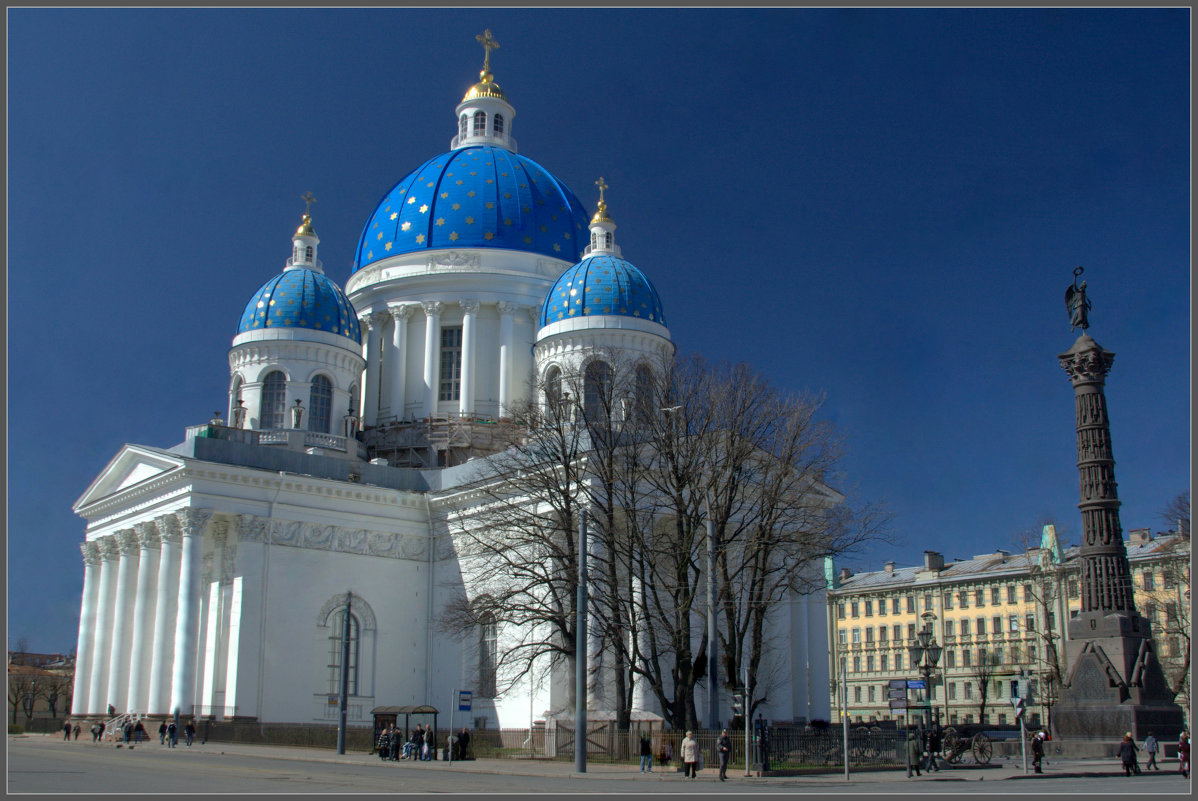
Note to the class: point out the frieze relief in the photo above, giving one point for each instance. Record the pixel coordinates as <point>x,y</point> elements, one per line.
<point>252,528</point>
<point>347,540</point>
<point>453,260</point>
<point>350,540</point>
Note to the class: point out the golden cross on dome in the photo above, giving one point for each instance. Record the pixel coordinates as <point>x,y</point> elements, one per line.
<point>308,199</point>
<point>488,42</point>
<point>602,184</point>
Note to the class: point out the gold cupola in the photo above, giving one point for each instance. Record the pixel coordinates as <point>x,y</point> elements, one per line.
<point>603,227</point>
<point>485,115</point>
<point>486,86</point>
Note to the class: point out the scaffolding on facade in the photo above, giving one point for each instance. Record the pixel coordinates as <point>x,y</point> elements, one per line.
<point>442,440</point>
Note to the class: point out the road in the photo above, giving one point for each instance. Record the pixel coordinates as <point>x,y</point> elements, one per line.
<point>46,764</point>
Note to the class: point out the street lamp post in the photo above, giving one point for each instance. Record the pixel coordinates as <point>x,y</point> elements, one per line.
<point>924,656</point>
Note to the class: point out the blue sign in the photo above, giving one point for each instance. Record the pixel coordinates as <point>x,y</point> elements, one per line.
<point>464,700</point>
<point>916,684</point>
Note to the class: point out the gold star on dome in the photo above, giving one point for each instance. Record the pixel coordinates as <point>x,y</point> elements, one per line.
<point>380,236</point>
<point>423,209</point>
<point>490,205</point>
<point>440,221</point>
<point>394,214</point>
<point>419,239</point>
<point>507,195</point>
<point>456,206</point>
<point>557,247</point>
<point>528,240</point>
<point>458,182</point>
<point>444,195</point>
<point>474,173</point>
<point>387,246</point>
<point>411,200</point>
<point>429,184</point>
<point>453,236</point>
<point>507,220</point>
<point>469,221</point>
<point>405,226</point>
<point>471,193</point>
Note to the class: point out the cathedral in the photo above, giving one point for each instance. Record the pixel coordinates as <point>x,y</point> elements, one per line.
<point>218,572</point>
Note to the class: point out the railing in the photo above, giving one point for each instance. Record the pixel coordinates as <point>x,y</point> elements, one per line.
<point>277,436</point>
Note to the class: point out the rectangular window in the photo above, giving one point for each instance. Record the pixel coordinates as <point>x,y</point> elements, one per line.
<point>1027,593</point>
<point>968,690</point>
<point>910,631</point>
<point>869,634</point>
<point>927,603</point>
<point>881,634</point>
<point>882,607</point>
<point>1029,622</point>
<point>894,605</point>
<point>1052,620</point>
<point>873,693</point>
<point>998,660</point>
<point>1014,689</point>
<point>856,695</point>
<point>898,660</point>
<point>856,609</point>
<point>856,664</point>
<point>856,636</point>
<point>964,626</point>
<point>1170,613</point>
<point>966,659</point>
<point>840,611</point>
<point>1031,654</point>
<point>994,596</point>
<point>884,659</point>
<point>948,628</point>
<point>898,632</point>
<point>963,600</point>
<point>953,719</point>
<point>968,717</point>
<point>950,659</point>
<point>910,603</point>
<point>952,691</point>
<point>948,600</point>
<point>451,364</point>
<point>979,597</point>
<point>1013,623</point>
<point>1074,592</point>
<point>996,624</point>
<point>869,608</point>
<point>869,665</point>
<point>1002,719</point>
<point>997,688</point>
<point>1149,584</point>
<point>1174,646</point>
<point>981,625</point>
<point>1011,594</point>
<point>1015,655</point>
<point>844,636</point>
<point>1168,577</point>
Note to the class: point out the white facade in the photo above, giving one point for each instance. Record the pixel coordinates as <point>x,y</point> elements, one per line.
<point>217,571</point>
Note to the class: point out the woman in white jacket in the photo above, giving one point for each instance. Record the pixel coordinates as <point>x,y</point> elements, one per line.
<point>690,755</point>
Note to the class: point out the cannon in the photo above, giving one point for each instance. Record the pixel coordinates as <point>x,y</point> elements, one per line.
<point>959,740</point>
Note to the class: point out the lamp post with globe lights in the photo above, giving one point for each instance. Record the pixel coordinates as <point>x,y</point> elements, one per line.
<point>924,657</point>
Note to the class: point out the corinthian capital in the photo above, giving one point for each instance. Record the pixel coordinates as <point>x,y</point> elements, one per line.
<point>469,306</point>
<point>507,307</point>
<point>401,311</point>
<point>1086,362</point>
<point>91,553</point>
<point>192,521</point>
<point>147,535</point>
<point>126,540</point>
<point>109,548</point>
<point>432,308</point>
<point>168,529</point>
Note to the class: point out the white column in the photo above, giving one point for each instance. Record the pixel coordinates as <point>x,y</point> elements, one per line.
<point>398,363</point>
<point>87,628</point>
<point>432,355</point>
<point>126,584</point>
<point>506,312</point>
<point>370,397</point>
<point>466,402</point>
<point>97,693</point>
<point>163,657</point>
<point>183,681</point>
<point>143,617</point>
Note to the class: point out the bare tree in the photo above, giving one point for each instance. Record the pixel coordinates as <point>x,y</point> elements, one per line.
<point>1172,635</point>
<point>1046,582</point>
<point>983,673</point>
<point>56,689</point>
<point>22,686</point>
<point>1177,512</point>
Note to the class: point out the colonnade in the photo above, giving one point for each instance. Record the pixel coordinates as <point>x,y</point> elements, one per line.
<point>139,623</point>
<point>386,360</point>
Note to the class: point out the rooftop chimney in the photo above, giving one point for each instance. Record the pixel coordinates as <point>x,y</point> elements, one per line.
<point>933,560</point>
<point>890,567</point>
<point>845,573</point>
<point>1139,535</point>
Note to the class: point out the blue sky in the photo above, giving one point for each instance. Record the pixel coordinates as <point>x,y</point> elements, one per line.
<point>883,206</point>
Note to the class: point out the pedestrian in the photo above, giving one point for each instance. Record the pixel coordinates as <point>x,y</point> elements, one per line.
<point>66,730</point>
<point>172,735</point>
<point>1183,754</point>
<point>103,726</point>
<point>127,730</point>
<point>932,746</point>
<point>1037,751</point>
<point>463,742</point>
<point>646,754</point>
<point>1151,747</point>
<point>162,733</point>
<point>139,731</point>
<point>95,730</point>
<point>430,744</point>
<point>190,731</point>
<point>418,743</point>
<point>690,756</point>
<point>724,747</point>
<point>1127,754</point>
<point>77,730</point>
<point>111,711</point>
<point>914,751</point>
<point>1135,762</point>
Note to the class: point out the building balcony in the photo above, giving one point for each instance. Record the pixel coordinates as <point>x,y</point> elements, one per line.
<point>296,439</point>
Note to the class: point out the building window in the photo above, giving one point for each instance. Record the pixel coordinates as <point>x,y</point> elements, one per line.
<point>967,689</point>
<point>646,408</point>
<point>1027,593</point>
<point>856,695</point>
<point>882,634</point>
<point>950,659</point>
<point>498,125</point>
<point>979,597</point>
<point>1167,576</point>
<point>869,608</point>
<point>968,716</point>
<point>319,403</point>
<point>856,664</point>
<point>451,364</point>
<point>1029,622</point>
<point>882,607</point>
<point>308,253</point>
<point>844,636</point>
<point>480,123</point>
<point>898,632</point>
<point>1013,623</point>
<point>840,611</point>
<point>964,626</point>
<point>607,240</point>
<point>1015,655</point>
<point>553,392</point>
<point>336,646</point>
<point>869,665</point>
<point>981,625</point>
<point>963,600</point>
<point>952,691</point>
<point>855,607</point>
<point>996,624</point>
<point>1074,592</point>
<point>911,603</point>
<point>884,659</point>
<point>966,660</point>
<point>898,660</point>
<point>994,596</point>
<point>894,606</point>
<point>869,634</point>
<point>873,693</point>
<point>273,411</point>
<point>1002,719</point>
<point>1031,654</point>
<point>488,655</point>
<point>952,719</point>
<point>1011,594</point>
<point>597,391</point>
<point>948,628</point>
<point>910,631</point>
<point>927,603</point>
<point>948,600</point>
<point>463,126</point>
<point>1174,646</point>
<point>1170,613</point>
<point>856,636</point>
<point>1052,620</point>
<point>1150,612</point>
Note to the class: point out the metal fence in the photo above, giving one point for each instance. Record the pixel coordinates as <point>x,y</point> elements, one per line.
<point>788,748</point>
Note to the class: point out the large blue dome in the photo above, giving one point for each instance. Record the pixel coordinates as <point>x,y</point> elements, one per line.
<point>476,197</point>
<point>301,298</point>
<point>602,284</point>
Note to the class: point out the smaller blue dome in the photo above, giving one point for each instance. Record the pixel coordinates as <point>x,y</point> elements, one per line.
<point>600,285</point>
<point>301,298</point>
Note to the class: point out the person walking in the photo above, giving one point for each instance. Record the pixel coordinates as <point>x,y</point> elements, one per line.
<point>190,731</point>
<point>127,730</point>
<point>1183,754</point>
<point>932,746</point>
<point>690,756</point>
<point>95,730</point>
<point>463,743</point>
<point>172,734</point>
<point>1151,747</point>
<point>914,751</point>
<point>724,747</point>
<point>418,743</point>
<point>66,730</point>
<point>77,730</point>
<point>646,754</point>
<point>139,731</point>
<point>1037,752</point>
<point>162,733</point>
<point>1127,754</point>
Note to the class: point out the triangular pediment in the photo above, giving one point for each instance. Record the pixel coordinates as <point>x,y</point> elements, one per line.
<point>131,466</point>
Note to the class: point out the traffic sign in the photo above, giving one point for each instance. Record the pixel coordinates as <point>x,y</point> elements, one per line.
<point>898,703</point>
<point>898,684</point>
<point>916,684</point>
<point>464,700</point>
<point>897,693</point>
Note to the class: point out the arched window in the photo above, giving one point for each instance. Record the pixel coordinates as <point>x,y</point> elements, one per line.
<point>498,125</point>
<point>553,387</point>
<point>480,123</point>
<point>596,390</point>
<point>607,240</point>
<point>463,126</point>
<point>488,655</point>
<point>319,404</point>
<point>594,240</point>
<point>295,257</point>
<point>643,393</point>
<point>273,412</point>
<point>336,646</point>
<point>308,253</point>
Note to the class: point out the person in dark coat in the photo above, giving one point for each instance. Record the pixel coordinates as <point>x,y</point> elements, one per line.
<point>418,743</point>
<point>77,730</point>
<point>724,747</point>
<point>932,746</point>
<point>1127,755</point>
<point>162,733</point>
<point>172,735</point>
<point>914,751</point>
<point>646,754</point>
<point>1037,751</point>
<point>1183,754</point>
<point>66,730</point>
<point>139,731</point>
<point>463,742</point>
